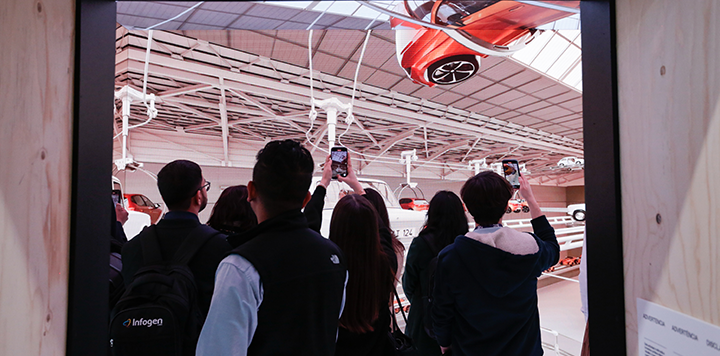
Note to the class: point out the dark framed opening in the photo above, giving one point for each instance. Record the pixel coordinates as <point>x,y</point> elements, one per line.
<point>95,38</point>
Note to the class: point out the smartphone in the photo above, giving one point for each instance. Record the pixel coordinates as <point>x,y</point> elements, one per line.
<point>339,157</point>
<point>116,196</point>
<point>511,169</point>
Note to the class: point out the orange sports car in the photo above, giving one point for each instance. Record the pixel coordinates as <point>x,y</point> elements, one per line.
<point>442,41</point>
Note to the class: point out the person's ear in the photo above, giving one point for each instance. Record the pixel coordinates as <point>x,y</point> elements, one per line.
<point>252,193</point>
<point>198,198</point>
<point>307,199</point>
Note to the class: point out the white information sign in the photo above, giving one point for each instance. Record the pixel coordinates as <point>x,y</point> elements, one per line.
<point>663,331</point>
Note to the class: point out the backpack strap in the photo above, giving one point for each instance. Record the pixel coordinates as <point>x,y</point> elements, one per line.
<point>195,239</point>
<point>150,247</point>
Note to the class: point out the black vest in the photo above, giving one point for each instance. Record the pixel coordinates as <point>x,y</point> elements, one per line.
<point>303,278</point>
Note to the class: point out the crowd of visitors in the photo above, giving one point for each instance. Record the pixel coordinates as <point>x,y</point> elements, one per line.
<point>260,279</point>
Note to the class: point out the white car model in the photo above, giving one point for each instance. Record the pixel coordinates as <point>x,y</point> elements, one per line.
<point>570,162</point>
<point>136,220</point>
<point>577,211</point>
<point>405,223</point>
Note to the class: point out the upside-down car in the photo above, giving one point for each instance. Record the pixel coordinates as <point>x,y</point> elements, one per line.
<point>442,41</point>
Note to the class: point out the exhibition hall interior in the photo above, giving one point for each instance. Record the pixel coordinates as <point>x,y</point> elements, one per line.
<point>422,94</point>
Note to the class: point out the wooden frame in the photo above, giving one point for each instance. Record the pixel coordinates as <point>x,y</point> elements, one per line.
<point>92,152</point>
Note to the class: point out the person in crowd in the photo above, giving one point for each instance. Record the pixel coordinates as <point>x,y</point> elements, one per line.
<point>232,212</point>
<point>281,292</point>
<point>314,208</point>
<point>445,221</point>
<point>485,295</point>
<point>366,318</point>
<point>184,191</point>
<point>118,216</point>
<point>387,238</point>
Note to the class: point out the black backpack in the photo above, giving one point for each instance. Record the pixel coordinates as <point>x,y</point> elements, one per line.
<point>158,313</point>
<point>428,300</point>
<point>117,285</point>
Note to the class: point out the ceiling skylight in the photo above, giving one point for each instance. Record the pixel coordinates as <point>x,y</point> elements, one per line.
<point>556,53</point>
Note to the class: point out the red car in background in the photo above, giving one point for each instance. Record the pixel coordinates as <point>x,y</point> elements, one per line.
<point>517,205</point>
<point>416,204</point>
<point>456,34</point>
<point>141,203</point>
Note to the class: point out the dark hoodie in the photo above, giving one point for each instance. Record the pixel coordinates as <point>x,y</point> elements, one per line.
<point>485,296</point>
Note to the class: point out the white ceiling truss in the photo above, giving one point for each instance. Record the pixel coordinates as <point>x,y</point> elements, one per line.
<point>221,95</point>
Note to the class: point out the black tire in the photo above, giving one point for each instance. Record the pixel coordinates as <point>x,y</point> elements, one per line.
<point>526,209</point>
<point>452,70</point>
<point>579,215</point>
<point>508,210</point>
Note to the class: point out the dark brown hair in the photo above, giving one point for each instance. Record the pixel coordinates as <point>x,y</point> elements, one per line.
<point>445,219</point>
<point>378,202</point>
<point>486,197</point>
<point>354,228</point>
<point>232,212</point>
<point>282,175</point>
<point>178,181</point>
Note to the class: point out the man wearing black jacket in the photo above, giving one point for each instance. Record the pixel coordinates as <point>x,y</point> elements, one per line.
<point>281,291</point>
<point>184,191</point>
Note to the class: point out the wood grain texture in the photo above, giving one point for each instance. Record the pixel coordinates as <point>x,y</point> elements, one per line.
<point>36,88</point>
<point>669,112</point>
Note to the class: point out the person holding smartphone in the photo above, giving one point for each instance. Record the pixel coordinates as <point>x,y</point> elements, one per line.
<point>485,295</point>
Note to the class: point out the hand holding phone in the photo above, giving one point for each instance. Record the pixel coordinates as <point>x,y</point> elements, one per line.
<point>339,157</point>
<point>511,170</point>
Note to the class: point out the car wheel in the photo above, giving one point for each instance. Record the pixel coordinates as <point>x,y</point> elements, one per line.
<point>579,215</point>
<point>508,210</point>
<point>526,209</point>
<point>453,70</point>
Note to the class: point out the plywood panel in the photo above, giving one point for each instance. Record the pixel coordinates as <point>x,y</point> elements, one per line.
<point>669,112</point>
<point>36,88</point>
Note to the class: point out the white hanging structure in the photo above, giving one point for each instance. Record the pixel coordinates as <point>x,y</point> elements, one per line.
<point>408,157</point>
<point>477,164</point>
<point>332,106</point>
<point>128,95</point>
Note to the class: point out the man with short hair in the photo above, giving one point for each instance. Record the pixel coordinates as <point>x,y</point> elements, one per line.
<point>281,291</point>
<point>485,295</point>
<point>184,191</point>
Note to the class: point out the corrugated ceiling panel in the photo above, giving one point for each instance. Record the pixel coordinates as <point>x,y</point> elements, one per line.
<point>251,42</point>
<point>491,91</point>
<point>447,98</point>
<point>502,70</point>
<point>505,97</point>
<point>472,85</point>
<point>382,79</point>
<point>341,43</point>
<point>255,23</point>
<point>327,63</point>
<point>464,103</point>
<point>273,12</point>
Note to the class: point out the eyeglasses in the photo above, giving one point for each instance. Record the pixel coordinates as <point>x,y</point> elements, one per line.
<point>206,186</point>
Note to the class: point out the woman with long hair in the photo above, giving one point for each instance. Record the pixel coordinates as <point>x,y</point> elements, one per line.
<point>366,317</point>
<point>445,221</point>
<point>387,237</point>
<point>232,212</point>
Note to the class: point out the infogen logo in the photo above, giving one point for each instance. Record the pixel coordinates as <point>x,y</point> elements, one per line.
<point>143,322</point>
